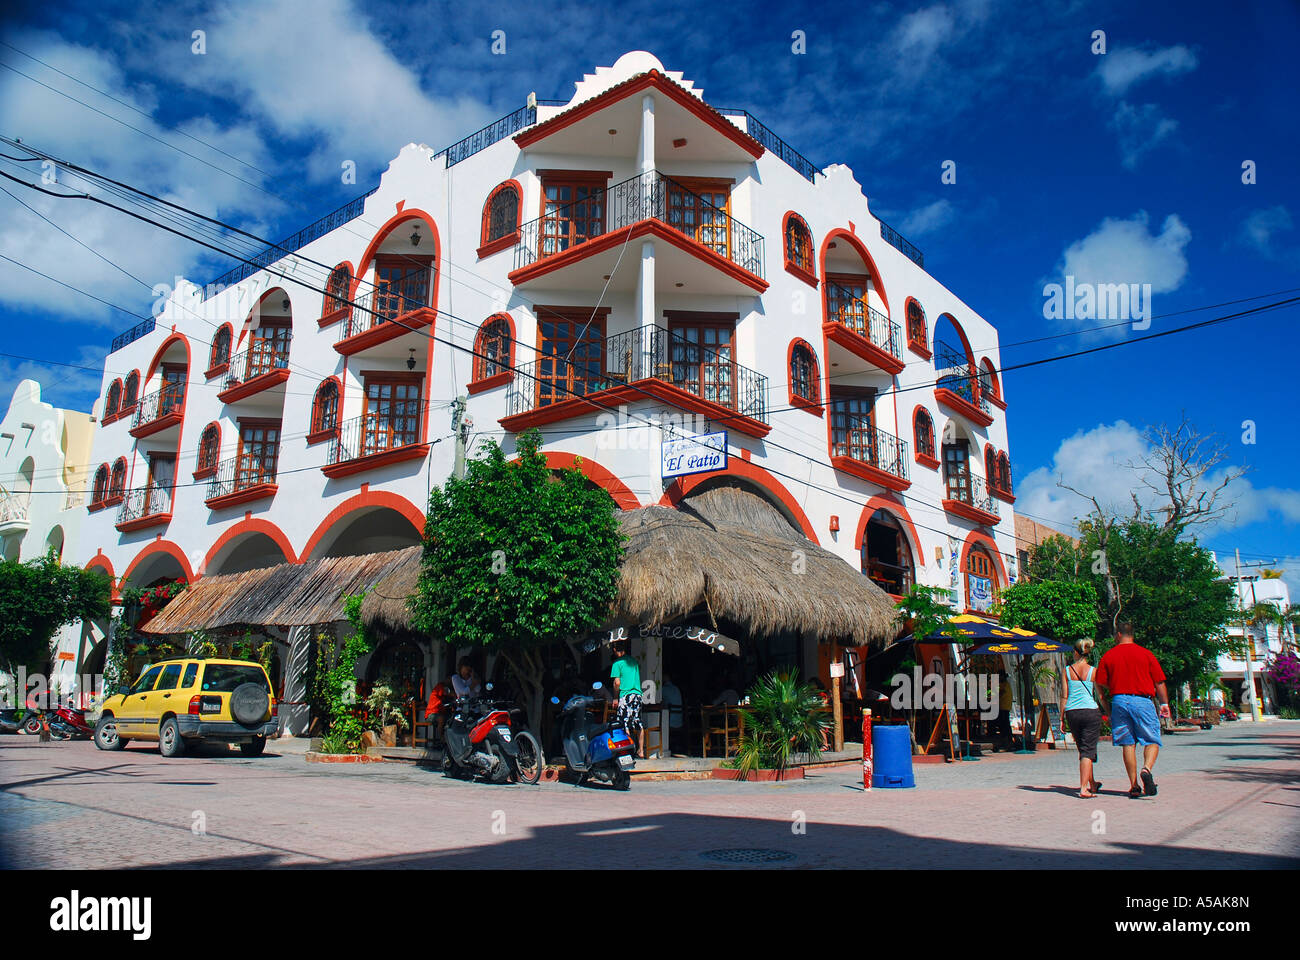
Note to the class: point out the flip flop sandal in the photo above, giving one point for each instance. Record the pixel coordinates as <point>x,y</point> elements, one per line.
<point>1148,782</point>
<point>1135,793</point>
<point>1086,796</point>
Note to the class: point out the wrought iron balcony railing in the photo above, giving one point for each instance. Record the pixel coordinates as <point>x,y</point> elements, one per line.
<point>955,373</point>
<point>972,491</point>
<point>647,196</point>
<point>145,502</point>
<point>262,356</point>
<point>134,334</point>
<point>854,436</point>
<point>13,507</point>
<point>389,302</point>
<point>651,352</point>
<point>863,319</point>
<point>399,424</point>
<point>154,406</point>
<point>242,473</point>
<point>901,243</point>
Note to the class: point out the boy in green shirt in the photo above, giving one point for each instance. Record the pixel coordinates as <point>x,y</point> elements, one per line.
<point>625,673</point>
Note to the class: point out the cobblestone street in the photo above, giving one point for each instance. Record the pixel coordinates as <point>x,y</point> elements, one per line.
<point>1228,799</point>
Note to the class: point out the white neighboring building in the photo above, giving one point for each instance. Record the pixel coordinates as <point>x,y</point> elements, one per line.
<point>44,457</point>
<point>633,245</point>
<point>1264,640</point>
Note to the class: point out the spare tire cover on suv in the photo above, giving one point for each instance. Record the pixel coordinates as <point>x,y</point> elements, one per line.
<point>248,703</point>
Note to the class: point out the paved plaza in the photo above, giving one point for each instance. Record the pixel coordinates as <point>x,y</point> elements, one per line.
<point>1229,798</point>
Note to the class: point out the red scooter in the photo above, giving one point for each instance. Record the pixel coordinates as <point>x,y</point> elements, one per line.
<point>69,724</point>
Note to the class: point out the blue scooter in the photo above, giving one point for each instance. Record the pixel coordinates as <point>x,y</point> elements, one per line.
<point>599,751</point>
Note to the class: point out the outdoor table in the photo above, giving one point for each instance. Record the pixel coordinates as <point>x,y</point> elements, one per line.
<point>731,730</point>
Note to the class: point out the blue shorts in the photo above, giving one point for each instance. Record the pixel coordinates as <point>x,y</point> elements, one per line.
<point>1133,720</point>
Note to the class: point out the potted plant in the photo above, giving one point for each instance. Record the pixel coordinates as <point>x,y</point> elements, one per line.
<point>386,713</point>
<point>783,718</point>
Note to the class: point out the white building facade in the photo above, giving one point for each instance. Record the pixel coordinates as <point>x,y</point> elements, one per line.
<point>1259,640</point>
<point>628,267</point>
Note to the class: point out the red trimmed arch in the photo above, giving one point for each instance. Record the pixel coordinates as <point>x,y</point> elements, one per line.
<point>395,221</point>
<point>806,275</point>
<point>479,383</point>
<point>988,543</point>
<point>250,526</point>
<point>360,501</point>
<point>894,506</point>
<point>856,243</point>
<point>737,467</point>
<point>487,247</point>
<point>328,316</point>
<point>162,350</point>
<point>161,546</point>
<point>813,405</point>
<point>102,563</point>
<point>597,474</point>
<point>961,332</point>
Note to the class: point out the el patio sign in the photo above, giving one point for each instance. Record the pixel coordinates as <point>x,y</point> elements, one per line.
<point>686,455</point>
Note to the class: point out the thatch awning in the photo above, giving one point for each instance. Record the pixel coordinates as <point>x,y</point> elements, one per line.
<point>726,552</point>
<point>285,595</point>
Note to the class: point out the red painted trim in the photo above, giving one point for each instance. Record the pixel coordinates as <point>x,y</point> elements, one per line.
<point>997,402</point>
<point>161,546</point>
<point>488,247</point>
<point>921,347</point>
<point>931,462</point>
<point>1004,495</point>
<point>922,353</point>
<point>610,241</point>
<point>926,459</point>
<point>162,423</point>
<point>259,491</point>
<point>866,471</point>
<point>334,316</point>
<point>643,81</point>
<point>144,523</point>
<point>414,451</point>
<point>739,467</point>
<point>367,498</point>
<point>791,267</point>
<point>972,513</point>
<point>395,221</point>
<point>593,471</point>
<point>249,526</point>
<point>213,369</point>
<point>490,383</point>
<point>205,473</point>
<point>894,506</point>
<point>476,361</point>
<point>321,436</point>
<point>959,404</point>
<point>974,537</point>
<point>994,395</point>
<point>503,242</point>
<point>856,243</point>
<point>578,406</point>
<point>213,372</point>
<point>383,332</point>
<point>814,405</point>
<point>157,358</point>
<point>859,345</point>
<point>263,381</point>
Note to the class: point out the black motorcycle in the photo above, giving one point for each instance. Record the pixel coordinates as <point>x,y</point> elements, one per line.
<point>20,720</point>
<point>483,739</point>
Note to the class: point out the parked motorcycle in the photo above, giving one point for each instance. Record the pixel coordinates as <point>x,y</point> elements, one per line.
<point>17,720</point>
<point>483,739</point>
<point>69,724</point>
<point>600,751</point>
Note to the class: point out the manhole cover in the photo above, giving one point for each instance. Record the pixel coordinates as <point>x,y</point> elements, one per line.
<point>747,855</point>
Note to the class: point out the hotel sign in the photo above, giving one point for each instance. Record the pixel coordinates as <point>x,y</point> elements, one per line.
<point>686,455</point>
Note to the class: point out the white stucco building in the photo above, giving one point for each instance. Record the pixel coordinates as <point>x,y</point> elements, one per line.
<point>628,266</point>
<point>1261,640</point>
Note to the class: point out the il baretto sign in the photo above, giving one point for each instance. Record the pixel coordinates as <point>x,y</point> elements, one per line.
<point>687,455</point>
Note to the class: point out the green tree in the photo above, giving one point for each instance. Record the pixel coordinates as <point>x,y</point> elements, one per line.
<point>36,599</point>
<point>338,684</point>
<point>517,557</point>
<point>1060,609</point>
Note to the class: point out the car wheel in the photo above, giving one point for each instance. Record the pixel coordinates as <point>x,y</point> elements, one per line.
<point>32,725</point>
<point>106,737</point>
<point>170,741</point>
<point>254,747</point>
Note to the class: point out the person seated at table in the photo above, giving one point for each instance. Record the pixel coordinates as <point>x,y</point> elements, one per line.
<point>729,697</point>
<point>465,681</point>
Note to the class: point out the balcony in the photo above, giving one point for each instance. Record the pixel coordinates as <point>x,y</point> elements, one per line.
<point>862,329</point>
<point>705,249</point>
<point>385,313</point>
<point>242,479</point>
<point>263,365</point>
<point>159,410</point>
<point>379,438</point>
<point>13,513</point>
<point>642,363</point>
<point>148,507</point>
<point>967,496</point>
<point>862,450</point>
<point>958,386</point>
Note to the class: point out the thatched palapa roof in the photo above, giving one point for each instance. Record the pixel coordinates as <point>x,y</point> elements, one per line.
<point>726,552</point>
<point>285,595</point>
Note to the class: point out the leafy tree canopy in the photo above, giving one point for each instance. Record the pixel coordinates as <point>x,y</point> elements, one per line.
<point>1060,609</point>
<point>37,598</point>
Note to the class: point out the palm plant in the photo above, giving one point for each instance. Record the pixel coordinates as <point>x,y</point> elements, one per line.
<point>784,717</point>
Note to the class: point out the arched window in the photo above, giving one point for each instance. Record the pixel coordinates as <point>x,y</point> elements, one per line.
<point>989,380</point>
<point>209,448</point>
<point>337,289</point>
<point>117,483</point>
<point>501,214</point>
<point>220,348</point>
<point>325,408</point>
<point>886,555</point>
<point>132,392</point>
<point>99,490</point>
<point>1004,472</point>
<point>798,247</point>
<point>991,467</point>
<point>803,373</point>
<point>493,349</point>
<point>917,334</point>
<point>923,434</point>
<point>114,399</point>
<point>981,580</point>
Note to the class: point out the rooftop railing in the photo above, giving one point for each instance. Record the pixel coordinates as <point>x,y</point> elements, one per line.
<point>770,141</point>
<point>134,334</point>
<point>901,243</point>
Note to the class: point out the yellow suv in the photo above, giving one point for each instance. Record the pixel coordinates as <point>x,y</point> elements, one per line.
<point>192,701</point>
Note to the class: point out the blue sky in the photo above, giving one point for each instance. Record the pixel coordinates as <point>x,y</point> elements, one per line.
<point>1122,167</point>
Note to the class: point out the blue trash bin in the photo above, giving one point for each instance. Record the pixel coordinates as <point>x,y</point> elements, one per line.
<point>891,756</point>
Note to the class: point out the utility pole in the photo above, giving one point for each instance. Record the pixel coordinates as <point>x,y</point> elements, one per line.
<point>1245,639</point>
<point>460,426</point>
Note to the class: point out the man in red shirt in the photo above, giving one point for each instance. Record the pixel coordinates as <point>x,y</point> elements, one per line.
<point>1132,676</point>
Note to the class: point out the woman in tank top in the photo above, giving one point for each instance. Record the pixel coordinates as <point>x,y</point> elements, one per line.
<point>1083,714</point>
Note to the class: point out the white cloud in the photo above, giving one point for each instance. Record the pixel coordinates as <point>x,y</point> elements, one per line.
<point>1260,227</point>
<point>927,219</point>
<point>1140,130</point>
<point>70,387</point>
<point>1120,69</point>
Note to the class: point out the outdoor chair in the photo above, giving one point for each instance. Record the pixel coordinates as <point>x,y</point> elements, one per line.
<point>718,724</point>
